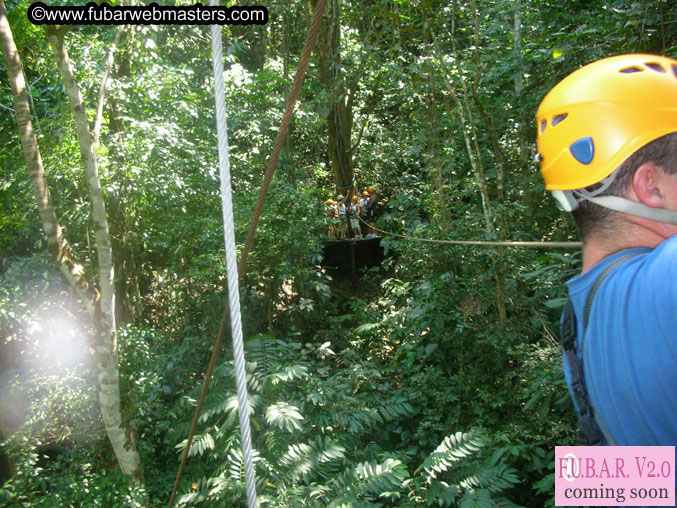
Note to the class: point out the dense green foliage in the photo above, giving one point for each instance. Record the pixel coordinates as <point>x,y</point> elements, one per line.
<point>435,382</point>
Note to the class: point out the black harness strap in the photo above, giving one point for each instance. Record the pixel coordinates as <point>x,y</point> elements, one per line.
<point>591,428</point>
<point>588,431</point>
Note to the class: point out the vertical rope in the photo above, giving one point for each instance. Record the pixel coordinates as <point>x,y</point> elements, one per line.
<point>231,265</point>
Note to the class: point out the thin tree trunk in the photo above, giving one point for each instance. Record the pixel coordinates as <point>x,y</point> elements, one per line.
<point>519,84</point>
<point>286,34</point>
<point>430,138</point>
<point>107,350</point>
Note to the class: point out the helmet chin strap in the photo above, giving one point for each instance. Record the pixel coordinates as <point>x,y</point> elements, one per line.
<point>568,201</point>
<point>623,205</point>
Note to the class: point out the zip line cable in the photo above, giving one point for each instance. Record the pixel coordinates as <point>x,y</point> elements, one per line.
<point>268,177</point>
<point>231,265</point>
<point>483,243</point>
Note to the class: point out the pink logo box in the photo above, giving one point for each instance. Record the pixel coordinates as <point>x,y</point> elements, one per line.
<point>615,475</point>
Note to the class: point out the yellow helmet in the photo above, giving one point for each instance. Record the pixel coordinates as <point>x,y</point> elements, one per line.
<point>601,114</point>
<point>365,193</point>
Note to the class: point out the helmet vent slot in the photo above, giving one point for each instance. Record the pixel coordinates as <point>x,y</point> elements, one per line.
<point>543,124</point>
<point>631,70</point>
<point>674,70</point>
<point>655,66</point>
<point>558,118</point>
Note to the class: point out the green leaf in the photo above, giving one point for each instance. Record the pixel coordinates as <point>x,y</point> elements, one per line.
<point>284,416</point>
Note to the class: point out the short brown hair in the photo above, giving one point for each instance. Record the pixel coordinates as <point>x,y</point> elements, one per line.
<point>594,219</point>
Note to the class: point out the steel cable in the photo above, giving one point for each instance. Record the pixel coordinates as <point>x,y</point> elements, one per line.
<point>231,266</point>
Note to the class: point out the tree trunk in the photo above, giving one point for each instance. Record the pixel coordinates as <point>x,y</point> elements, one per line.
<point>340,117</point>
<point>104,320</point>
<point>128,303</point>
<point>287,23</point>
<point>99,305</point>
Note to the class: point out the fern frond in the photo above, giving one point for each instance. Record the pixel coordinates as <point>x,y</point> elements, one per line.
<point>396,408</point>
<point>357,419</point>
<point>494,479</point>
<point>196,495</point>
<point>228,406</point>
<point>285,416</point>
<point>499,478</point>
<point>481,482</point>
<point>220,485</point>
<point>369,481</point>
<point>318,491</point>
<point>267,352</point>
<point>288,373</point>
<point>453,449</point>
<point>200,444</point>
<point>442,493</point>
<point>506,503</point>
<point>236,463</point>
<point>477,499</point>
<point>261,349</point>
<point>375,478</point>
<point>303,459</point>
<point>256,378</point>
<point>298,461</point>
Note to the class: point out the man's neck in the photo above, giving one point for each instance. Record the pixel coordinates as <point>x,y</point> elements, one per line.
<point>597,248</point>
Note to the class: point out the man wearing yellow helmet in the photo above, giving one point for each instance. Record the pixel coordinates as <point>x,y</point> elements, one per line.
<point>607,143</point>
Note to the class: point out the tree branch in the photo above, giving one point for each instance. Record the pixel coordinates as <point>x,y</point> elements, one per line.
<point>359,136</point>
<point>102,89</point>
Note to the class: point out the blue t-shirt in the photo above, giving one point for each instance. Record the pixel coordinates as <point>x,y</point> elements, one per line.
<point>630,348</point>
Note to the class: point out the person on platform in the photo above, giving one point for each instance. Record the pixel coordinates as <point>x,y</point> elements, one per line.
<point>331,212</point>
<point>354,212</point>
<point>363,206</point>
<point>370,214</point>
<point>343,217</point>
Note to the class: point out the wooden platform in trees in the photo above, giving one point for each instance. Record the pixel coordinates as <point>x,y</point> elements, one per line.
<point>347,257</point>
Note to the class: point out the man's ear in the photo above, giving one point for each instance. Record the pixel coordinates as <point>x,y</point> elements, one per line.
<point>647,185</point>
